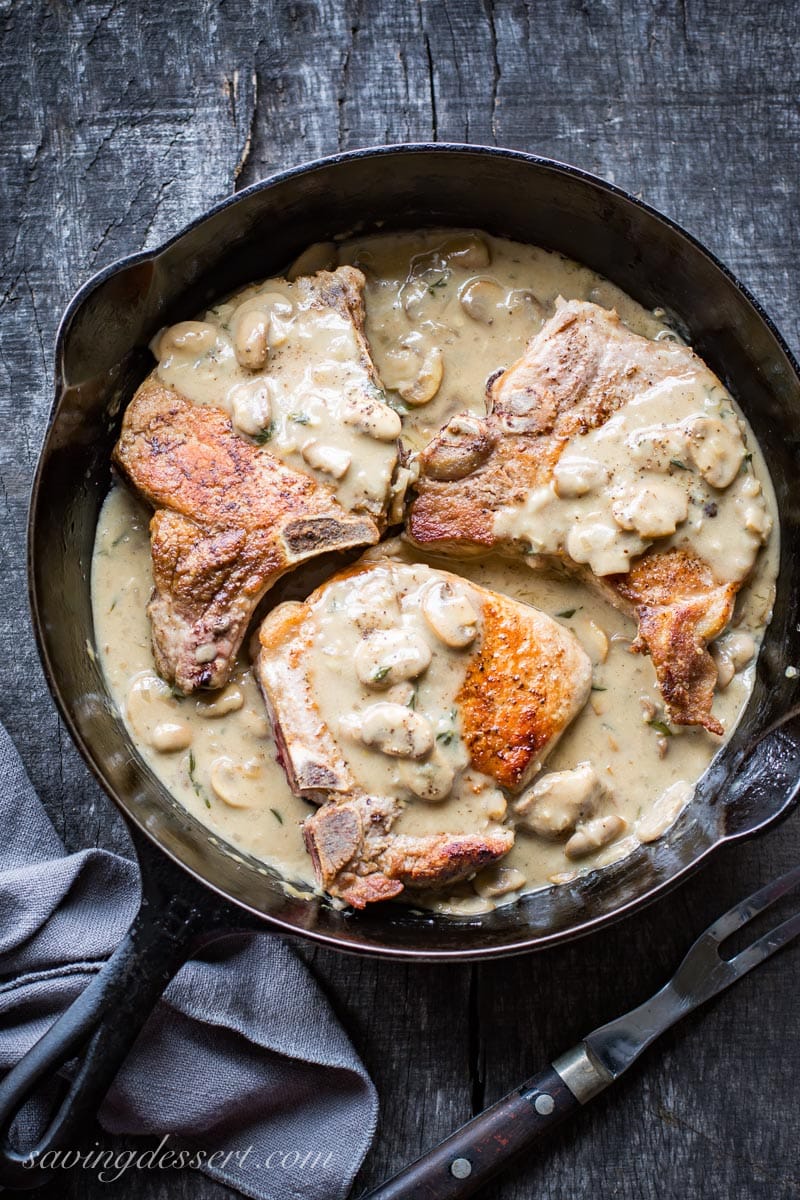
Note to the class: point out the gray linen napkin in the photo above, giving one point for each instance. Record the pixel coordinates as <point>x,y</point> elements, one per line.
<point>242,1054</point>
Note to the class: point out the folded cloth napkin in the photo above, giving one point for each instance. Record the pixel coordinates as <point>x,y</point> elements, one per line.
<point>242,1057</point>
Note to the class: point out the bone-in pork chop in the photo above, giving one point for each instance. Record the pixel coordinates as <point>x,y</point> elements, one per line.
<point>230,519</point>
<point>403,699</point>
<point>622,458</point>
<point>289,364</point>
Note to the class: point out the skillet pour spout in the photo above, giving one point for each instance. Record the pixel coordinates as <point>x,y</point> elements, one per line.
<point>102,356</point>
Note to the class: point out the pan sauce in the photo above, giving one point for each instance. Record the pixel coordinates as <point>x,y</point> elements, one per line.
<point>443,312</point>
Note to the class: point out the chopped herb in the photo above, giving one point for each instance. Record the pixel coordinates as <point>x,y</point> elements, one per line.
<point>299,418</point>
<point>412,700</point>
<point>660,727</point>
<point>676,462</point>
<point>437,283</point>
<point>113,604</point>
<point>264,435</point>
<point>198,790</point>
<point>748,458</point>
<point>567,613</point>
<point>177,694</point>
<point>453,715</point>
<point>380,674</point>
<point>597,688</point>
<point>446,737</point>
<point>277,815</point>
<point>710,508</point>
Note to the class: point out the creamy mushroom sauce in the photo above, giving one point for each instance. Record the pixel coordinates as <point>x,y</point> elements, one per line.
<point>673,465</point>
<point>388,659</point>
<point>444,311</point>
<point>290,373</point>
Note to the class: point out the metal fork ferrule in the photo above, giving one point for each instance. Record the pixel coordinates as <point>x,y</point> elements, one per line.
<point>584,1077</point>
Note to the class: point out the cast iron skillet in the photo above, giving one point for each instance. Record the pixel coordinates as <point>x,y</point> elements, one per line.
<point>194,887</point>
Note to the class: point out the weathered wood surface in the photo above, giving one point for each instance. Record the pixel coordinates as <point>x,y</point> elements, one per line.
<point>121,121</point>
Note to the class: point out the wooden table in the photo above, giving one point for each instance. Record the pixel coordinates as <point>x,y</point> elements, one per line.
<point>121,121</point>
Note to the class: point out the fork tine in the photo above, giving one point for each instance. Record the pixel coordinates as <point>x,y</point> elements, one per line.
<point>745,910</point>
<point>766,945</point>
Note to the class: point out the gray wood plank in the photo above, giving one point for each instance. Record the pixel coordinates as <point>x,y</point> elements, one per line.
<point>123,120</point>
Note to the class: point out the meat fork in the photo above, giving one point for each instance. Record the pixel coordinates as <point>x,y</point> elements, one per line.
<point>470,1157</point>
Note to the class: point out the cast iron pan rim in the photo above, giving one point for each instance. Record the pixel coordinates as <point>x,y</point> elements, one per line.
<point>280,924</point>
<point>410,148</point>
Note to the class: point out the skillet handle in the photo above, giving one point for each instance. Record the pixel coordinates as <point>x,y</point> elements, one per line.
<point>102,1024</point>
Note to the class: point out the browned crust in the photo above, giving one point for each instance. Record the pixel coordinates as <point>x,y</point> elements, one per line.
<point>680,607</point>
<point>522,688</point>
<point>230,520</point>
<point>461,511</point>
<point>357,860</point>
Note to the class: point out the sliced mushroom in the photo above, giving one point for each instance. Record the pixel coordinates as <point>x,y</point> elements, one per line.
<point>653,510</point>
<point>388,656</point>
<point>271,310</point>
<point>227,777</point>
<point>396,730</point>
<point>457,450</point>
<point>594,834</point>
<point>428,381</point>
<point>229,700</point>
<point>374,605</point>
<point>557,802</point>
<point>451,614</point>
<point>372,417</point>
<point>498,881</point>
<point>331,460</point>
<point>430,780</point>
<point>752,510</point>
<point>467,250</point>
<point>601,544</point>
<point>731,653</point>
<point>187,337</point>
<point>150,706</point>
<point>251,404</point>
<point>483,300</point>
<point>716,448</point>
<point>171,736</point>
<point>250,340</point>
<point>574,475</point>
<point>595,641</point>
<point>526,300</point>
<point>494,804</point>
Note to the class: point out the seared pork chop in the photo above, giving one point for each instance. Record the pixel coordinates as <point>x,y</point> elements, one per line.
<point>618,457</point>
<point>230,519</point>
<point>396,687</point>
<point>288,365</point>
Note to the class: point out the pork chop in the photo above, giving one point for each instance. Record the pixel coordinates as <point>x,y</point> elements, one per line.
<point>396,690</point>
<point>230,519</point>
<point>620,458</point>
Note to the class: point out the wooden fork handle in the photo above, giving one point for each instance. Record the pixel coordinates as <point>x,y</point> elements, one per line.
<point>471,1156</point>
